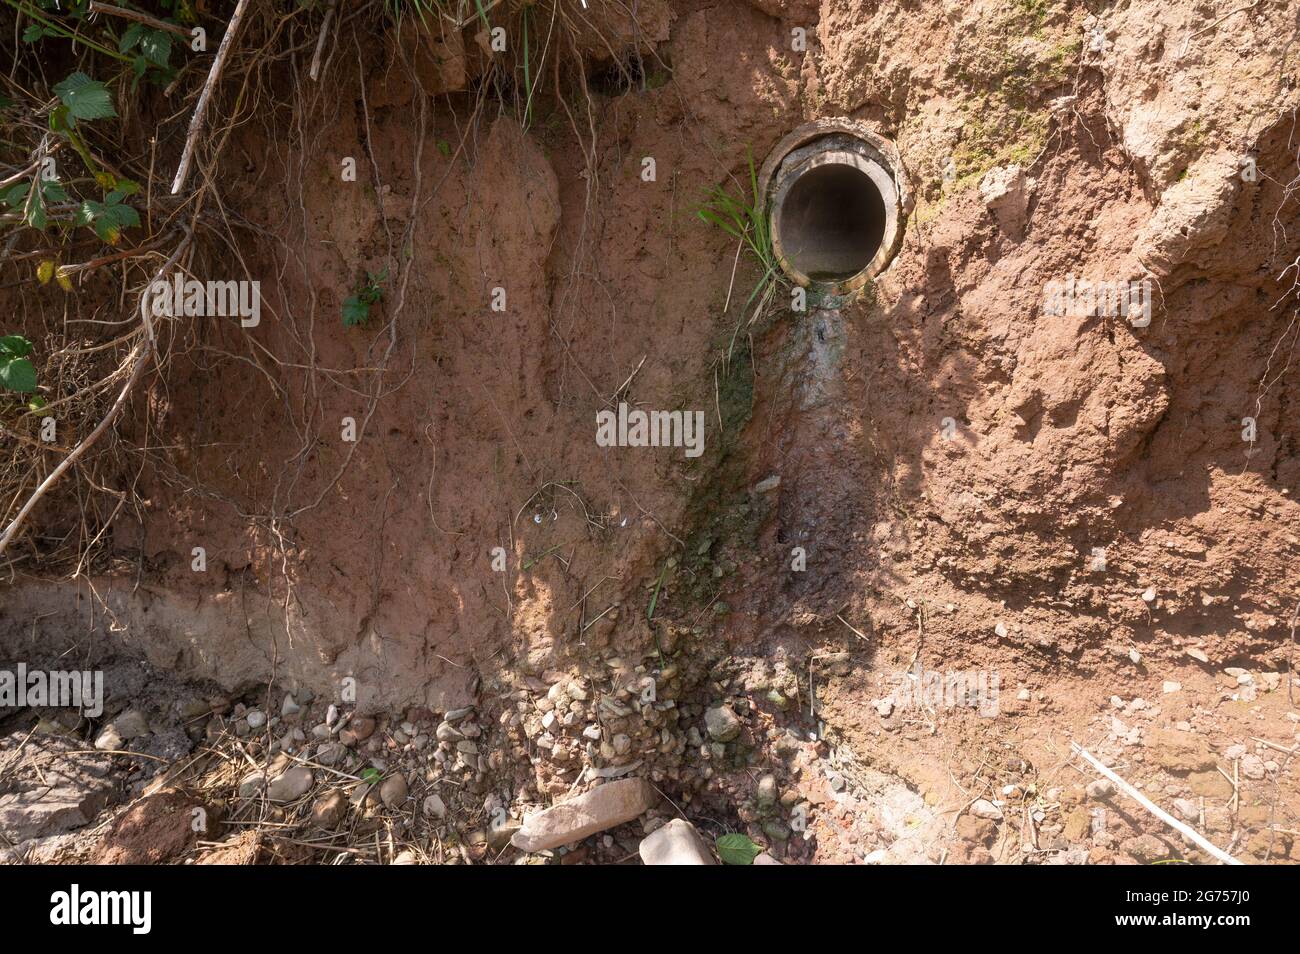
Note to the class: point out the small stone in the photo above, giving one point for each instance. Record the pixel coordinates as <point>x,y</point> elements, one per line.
<point>500,830</point>
<point>108,740</point>
<point>1134,657</point>
<point>1099,789</point>
<point>456,715</point>
<point>676,843</point>
<point>1001,630</point>
<point>358,730</point>
<point>884,707</point>
<point>329,809</point>
<point>393,791</point>
<point>983,808</point>
<point>767,792</point>
<point>1149,595</point>
<point>1187,809</point>
<point>251,784</point>
<point>255,718</point>
<point>1252,766</point>
<point>722,723</point>
<point>768,484</point>
<point>434,807</point>
<point>331,753</point>
<point>290,784</point>
<point>446,732</point>
<point>1198,655</point>
<point>131,724</point>
<point>1024,695</point>
<point>1169,686</point>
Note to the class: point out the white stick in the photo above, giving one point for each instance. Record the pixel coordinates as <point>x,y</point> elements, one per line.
<point>196,123</point>
<point>1155,809</point>
<point>320,43</point>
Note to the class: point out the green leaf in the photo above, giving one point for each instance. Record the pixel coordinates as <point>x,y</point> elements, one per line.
<point>85,98</point>
<point>34,211</point>
<point>17,374</point>
<point>131,37</point>
<point>33,33</point>
<point>355,311</point>
<point>54,192</point>
<point>14,195</point>
<point>737,849</point>
<point>109,223</point>
<point>157,47</point>
<point>372,776</point>
<point>15,346</point>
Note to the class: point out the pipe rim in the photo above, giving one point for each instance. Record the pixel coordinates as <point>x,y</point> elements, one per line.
<point>872,155</point>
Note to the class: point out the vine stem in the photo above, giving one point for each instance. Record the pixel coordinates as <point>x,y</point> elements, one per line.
<point>144,353</point>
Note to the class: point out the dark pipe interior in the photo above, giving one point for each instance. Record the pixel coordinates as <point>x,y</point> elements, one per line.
<point>832,222</point>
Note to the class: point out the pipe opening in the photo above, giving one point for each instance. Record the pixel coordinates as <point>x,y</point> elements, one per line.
<point>832,221</point>
<point>836,198</point>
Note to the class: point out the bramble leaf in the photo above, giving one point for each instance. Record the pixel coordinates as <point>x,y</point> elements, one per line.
<point>15,346</point>
<point>85,98</point>
<point>17,374</point>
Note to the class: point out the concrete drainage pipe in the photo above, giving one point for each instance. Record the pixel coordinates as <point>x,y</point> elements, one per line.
<point>836,199</point>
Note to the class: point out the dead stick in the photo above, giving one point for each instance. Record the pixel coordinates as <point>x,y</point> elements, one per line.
<point>320,43</point>
<point>1155,809</point>
<point>196,123</point>
<point>138,17</point>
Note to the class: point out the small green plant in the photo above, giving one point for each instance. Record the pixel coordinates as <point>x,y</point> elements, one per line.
<point>744,221</point>
<point>737,849</point>
<point>356,307</point>
<point>16,371</point>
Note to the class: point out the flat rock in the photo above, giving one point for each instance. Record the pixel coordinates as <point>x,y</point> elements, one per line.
<point>603,807</point>
<point>676,843</point>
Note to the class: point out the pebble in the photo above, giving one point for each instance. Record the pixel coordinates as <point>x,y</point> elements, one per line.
<point>255,718</point>
<point>131,724</point>
<point>434,807</point>
<point>983,808</point>
<point>358,730</point>
<point>1101,788</point>
<point>676,843</point>
<point>1170,686</point>
<point>251,784</point>
<point>290,785</point>
<point>108,740</point>
<point>329,809</point>
<point>290,706</point>
<point>331,753</point>
<point>767,792</point>
<point>722,723</point>
<point>446,732</point>
<point>393,791</point>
